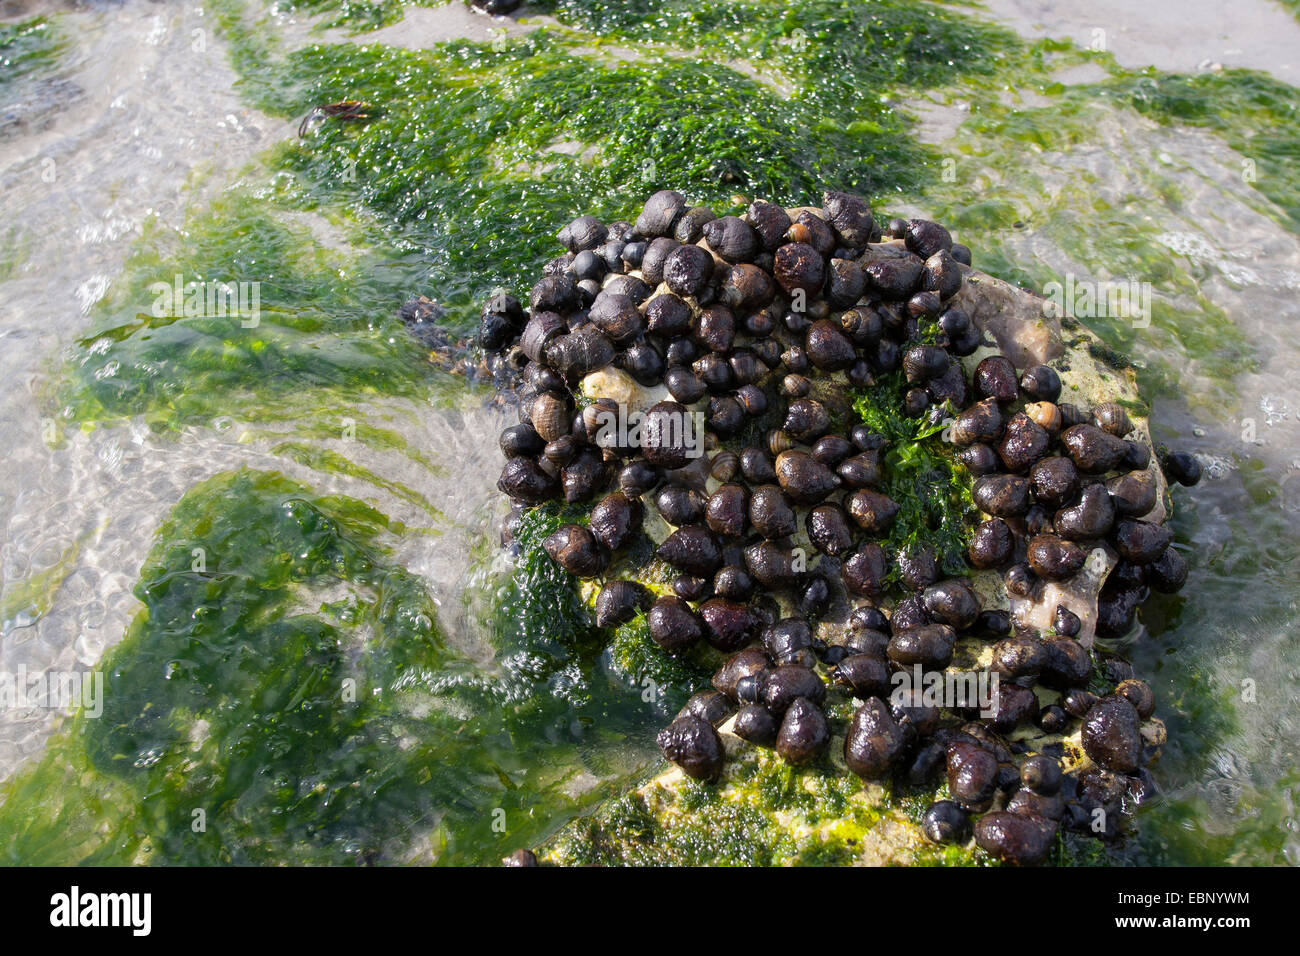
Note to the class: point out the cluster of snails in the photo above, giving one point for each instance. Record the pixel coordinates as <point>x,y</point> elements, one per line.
<point>749,320</point>
<point>1054,480</point>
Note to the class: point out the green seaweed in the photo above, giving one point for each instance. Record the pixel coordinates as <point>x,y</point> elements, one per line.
<point>27,47</point>
<point>252,715</point>
<point>922,476</point>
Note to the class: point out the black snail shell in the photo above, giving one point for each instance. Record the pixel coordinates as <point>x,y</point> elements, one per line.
<point>995,378</point>
<point>690,227</point>
<point>1053,558</point>
<point>673,625</point>
<point>619,601</point>
<point>732,239</point>
<point>1023,443</point>
<point>1182,468</point>
<point>918,567</point>
<point>667,436</point>
<point>828,529</point>
<point>992,544</point>
<point>693,745</point>
<point>771,513</point>
<point>799,267</point>
<point>981,423</point>
<point>660,214</point>
<point>743,664</point>
<point>893,279</point>
<point>771,565</point>
<point>929,645</point>
<point>851,218</point>
<point>925,238</point>
<point>1168,573</point>
<point>946,822</point>
<point>1054,481</point>
<point>803,478</point>
<point>874,511</point>
<point>1092,517</point>
<point>1042,383</point>
<point>972,774</point>
<point>756,725</point>
<point>692,549</point>
<point>979,459</point>
<point>804,732</point>
<point>1141,542</point>
<point>615,519</point>
<point>710,706</point>
<point>1112,734</point>
<point>1092,450</point>
<point>863,675</point>
<point>728,626</point>
<point>827,347</point>
<point>523,478</point>
<point>1003,496</point>
<point>873,742</point>
<point>726,510</point>
<point>769,222</point>
<point>863,571</point>
<point>1133,494</point>
<point>679,505</point>
<point>787,683</point>
<point>1014,838</point>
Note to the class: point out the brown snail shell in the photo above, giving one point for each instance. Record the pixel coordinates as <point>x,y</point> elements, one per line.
<point>803,478</point>
<point>574,549</point>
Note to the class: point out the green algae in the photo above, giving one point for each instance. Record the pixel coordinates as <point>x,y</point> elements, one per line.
<point>314,324</point>
<point>482,149</point>
<point>921,475</point>
<point>27,47</point>
<point>25,602</point>
<point>286,696</point>
<point>766,813</point>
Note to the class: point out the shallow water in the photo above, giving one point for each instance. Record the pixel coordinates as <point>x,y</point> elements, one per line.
<point>147,145</point>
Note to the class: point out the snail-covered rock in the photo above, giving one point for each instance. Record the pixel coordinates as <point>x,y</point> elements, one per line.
<point>788,519</point>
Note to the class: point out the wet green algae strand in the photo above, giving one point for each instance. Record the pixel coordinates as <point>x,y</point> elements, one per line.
<point>27,47</point>
<point>922,476</point>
